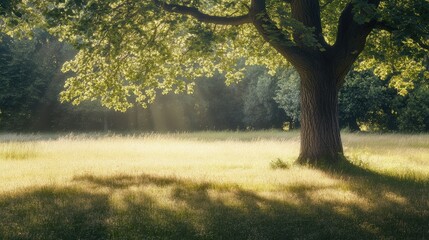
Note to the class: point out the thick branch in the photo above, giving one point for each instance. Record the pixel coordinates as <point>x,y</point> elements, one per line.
<point>202,17</point>
<point>308,13</point>
<point>351,40</point>
<point>384,26</point>
<point>275,37</point>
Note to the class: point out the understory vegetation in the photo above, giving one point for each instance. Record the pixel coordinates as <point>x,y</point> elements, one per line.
<point>210,185</point>
<point>31,82</point>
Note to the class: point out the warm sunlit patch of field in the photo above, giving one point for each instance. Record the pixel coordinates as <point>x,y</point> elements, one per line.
<point>210,185</point>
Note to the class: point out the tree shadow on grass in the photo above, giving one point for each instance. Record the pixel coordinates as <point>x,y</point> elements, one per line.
<point>400,205</point>
<point>159,207</point>
<point>53,213</point>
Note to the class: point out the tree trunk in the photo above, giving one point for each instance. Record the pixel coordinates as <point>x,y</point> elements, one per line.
<point>320,131</point>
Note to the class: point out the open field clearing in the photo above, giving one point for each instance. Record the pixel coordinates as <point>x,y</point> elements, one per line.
<point>210,185</point>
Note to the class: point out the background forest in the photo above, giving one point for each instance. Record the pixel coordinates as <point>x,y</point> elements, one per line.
<point>31,80</point>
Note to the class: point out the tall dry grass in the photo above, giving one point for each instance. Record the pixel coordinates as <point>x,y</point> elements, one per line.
<point>210,185</point>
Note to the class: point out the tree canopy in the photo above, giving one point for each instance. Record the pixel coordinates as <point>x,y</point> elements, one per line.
<point>30,83</point>
<point>130,48</point>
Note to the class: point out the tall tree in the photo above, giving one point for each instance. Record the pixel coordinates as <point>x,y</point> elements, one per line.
<point>365,99</point>
<point>130,47</point>
<point>287,96</point>
<point>260,110</point>
<point>21,83</point>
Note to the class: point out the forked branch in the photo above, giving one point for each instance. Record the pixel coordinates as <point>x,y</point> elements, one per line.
<point>258,16</point>
<point>274,36</point>
<point>351,40</point>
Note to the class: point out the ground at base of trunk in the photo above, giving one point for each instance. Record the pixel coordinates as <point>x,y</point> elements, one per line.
<point>335,161</point>
<point>339,165</point>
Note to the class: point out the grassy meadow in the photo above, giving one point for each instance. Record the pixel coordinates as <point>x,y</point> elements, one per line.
<point>210,185</point>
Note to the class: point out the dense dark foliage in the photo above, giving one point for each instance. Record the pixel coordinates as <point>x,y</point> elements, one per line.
<point>31,80</point>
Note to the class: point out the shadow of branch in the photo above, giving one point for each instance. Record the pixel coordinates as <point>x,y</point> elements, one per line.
<point>54,213</point>
<point>160,207</point>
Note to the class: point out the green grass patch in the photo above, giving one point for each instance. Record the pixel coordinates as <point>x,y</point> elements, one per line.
<point>212,186</point>
<point>279,164</point>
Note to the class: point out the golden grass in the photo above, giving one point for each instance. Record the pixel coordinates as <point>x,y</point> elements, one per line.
<point>58,161</point>
<point>200,184</point>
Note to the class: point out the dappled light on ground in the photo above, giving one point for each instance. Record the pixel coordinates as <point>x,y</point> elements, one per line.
<point>190,188</point>
<point>149,206</point>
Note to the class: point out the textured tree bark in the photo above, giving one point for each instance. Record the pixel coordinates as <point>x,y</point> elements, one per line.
<point>322,71</point>
<point>320,132</point>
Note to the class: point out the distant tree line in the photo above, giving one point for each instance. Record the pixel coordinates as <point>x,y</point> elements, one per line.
<point>31,80</point>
